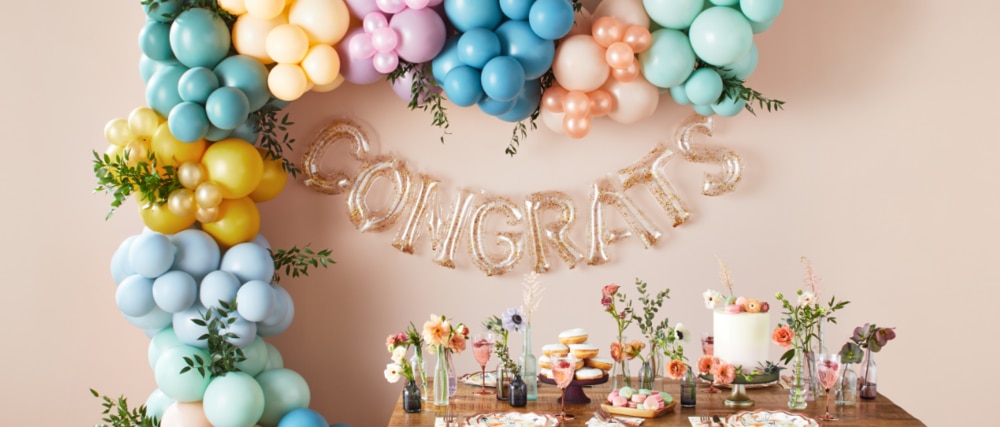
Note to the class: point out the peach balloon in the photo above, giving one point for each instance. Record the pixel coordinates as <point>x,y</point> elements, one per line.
<point>272,180</point>
<point>287,82</point>
<point>287,44</point>
<point>600,102</point>
<point>329,86</point>
<point>185,414</point>
<point>264,9</point>
<point>324,21</point>
<point>637,37</point>
<point>116,132</point>
<point>234,7</point>
<point>629,12</point>
<point>173,152</point>
<point>619,55</point>
<point>250,36</point>
<point>552,98</point>
<point>159,218</point>
<point>633,101</point>
<point>321,64</point>
<point>238,221</point>
<point>607,30</point>
<point>191,174</point>
<point>576,127</point>
<point>579,64</point>
<point>576,104</point>
<point>626,74</point>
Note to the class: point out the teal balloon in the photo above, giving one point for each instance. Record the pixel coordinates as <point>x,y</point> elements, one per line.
<point>161,341</point>
<point>248,261</point>
<point>502,78</point>
<point>218,286</point>
<point>761,10</point>
<point>744,67</point>
<point>477,46</point>
<point>227,107</point>
<point>551,19</point>
<point>233,399</point>
<point>196,84</point>
<point>447,60</point>
<point>704,86</point>
<point>120,267</point>
<point>724,2</point>
<point>151,254</point>
<point>196,254</point>
<point>175,291</point>
<point>248,75</point>
<point>516,10</point>
<point>161,89</point>
<point>216,134</point>
<point>154,41</point>
<point>157,403</point>
<point>720,35</point>
<point>760,27</point>
<point>199,38</point>
<point>183,387</point>
<point>246,131</point>
<point>494,107</point>
<point>284,391</point>
<point>134,296</point>
<point>463,86</point>
<point>679,94</point>
<point>669,60</point>
<point>188,121</point>
<point>705,110</point>
<point>255,300</point>
<point>274,359</point>
<point>303,417</point>
<point>729,107</point>
<point>519,41</point>
<point>162,10</point>
<point>466,15</point>
<point>674,14</point>
<point>186,330</point>
<point>527,103</point>
<point>255,357</point>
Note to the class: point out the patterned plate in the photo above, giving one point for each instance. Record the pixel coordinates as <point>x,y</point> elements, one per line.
<point>512,419</point>
<point>764,418</point>
<point>475,379</point>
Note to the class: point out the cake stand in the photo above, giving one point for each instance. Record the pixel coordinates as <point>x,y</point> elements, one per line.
<point>574,392</point>
<point>739,398</point>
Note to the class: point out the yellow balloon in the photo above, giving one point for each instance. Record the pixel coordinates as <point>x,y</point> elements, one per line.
<point>287,44</point>
<point>136,151</point>
<point>272,181</point>
<point>117,132</point>
<point>171,151</point>
<point>143,122</point>
<point>113,151</point>
<point>208,195</point>
<point>191,174</point>
<point>287,82</point>
<point>321,64</point>
<point>324,21</point>
<point>264,9</point>
<point>238,222</point>
<point>234,7</point>
<point>181,202</point>
<point>234,165</point>
<point>330,86</point>
<point>159,218</point>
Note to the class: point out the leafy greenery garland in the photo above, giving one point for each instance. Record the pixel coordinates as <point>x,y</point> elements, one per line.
<point>296,262</point>
<point>117,413</point>
<point>115,176</point>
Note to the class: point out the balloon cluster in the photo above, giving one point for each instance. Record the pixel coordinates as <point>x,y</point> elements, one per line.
<point>167,281</point>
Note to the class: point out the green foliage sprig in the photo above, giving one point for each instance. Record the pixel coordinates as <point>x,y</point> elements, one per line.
<point>495,325</point>
<point>116,177</point>
<point>173,11</point>
<point>295,261</point>
<point>424,93</point>
<point>223,353</point>
<point>117,413</point>
<point>267,124</point>
<point>650,307</point>
<point>735,88</point>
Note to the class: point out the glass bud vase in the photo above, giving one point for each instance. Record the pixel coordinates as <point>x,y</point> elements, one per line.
<point>689,389</point>
<point>645,376</point>
<point>411,397</point>
<point>420,374</point>
<point>518,392</point>
<point>811,377</point>
<point>846,393</point>
<point>620,375</point>
<point>452,376</point>
<point>798,388</point>
<point>529,365</point>
<point>503,381</point>
<point>441,378</point>
<point>869,377</point>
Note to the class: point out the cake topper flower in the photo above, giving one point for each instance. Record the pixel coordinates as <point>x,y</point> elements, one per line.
<point>732,303</point>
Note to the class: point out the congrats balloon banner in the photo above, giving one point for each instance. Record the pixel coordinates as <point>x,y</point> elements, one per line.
<point>535,226</point>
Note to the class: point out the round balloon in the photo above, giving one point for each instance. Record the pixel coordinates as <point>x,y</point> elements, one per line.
<point>196,84</point>
<point>151,254</point>
<point>284,390</point>
<point>248,261</point>
<point>673,14</point>
<point>159,218</point>
<point>255,300</point>
<point>255,357</point>
<point>246,74</point>
<point>134,296</point>
<point>238,221</point>
<point>535,54</point>
<point>551,19</point>
<point>704,86</point>
<point>185,414</point>
<point>579,64</point>
<point>186,330</point>
<point>324,21</point>
<point>199,38</point>
<point>175,291</point>
<point>183,387</point>
<point>161,89</point>
<point>421,34</point>
<point>761,10</point>
<point>218,286</point>
<point>720,35</point>
<point>157,404</point>
<point>272,180</point>
<point>463,86</point>
<point>235,166</point>
<point>188,121</point>
<point>303,417</point>
<point>120,266</point>
<point>250,36</point>
<point>502,78</point>
<point>477,46</point>
<point>466,15</point>
<point>159,343</point>
<point>151,322</point>
<point>154,41</point>
<point>227,107</point>
<point>196,253</point>
<point>669,60</point>
<point>233,399</point>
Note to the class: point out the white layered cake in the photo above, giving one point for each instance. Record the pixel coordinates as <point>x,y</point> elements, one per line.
<point>742,339</point>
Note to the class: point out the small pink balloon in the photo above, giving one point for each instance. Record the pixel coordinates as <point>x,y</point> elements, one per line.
<point>576,127</point>
<point>576,103</point>
<point>385,62</point>
<point>359,71</point>
<point>552,98</point>
<point>384,40</point>
<point>600,102</point>
<point>637,37</point>
<point>374,21</point>
<point>607,30</point>
<point>360,47</point>
<point>619,55</point>
<point>626,74</point>
<point>391,6</point>
<point>361,8</point>
<point>417,4</point>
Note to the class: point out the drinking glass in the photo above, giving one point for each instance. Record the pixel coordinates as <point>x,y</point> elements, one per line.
<point>828,369</point>
<point>563,371</point>
<point>482,347</point>
<point>708,349</point>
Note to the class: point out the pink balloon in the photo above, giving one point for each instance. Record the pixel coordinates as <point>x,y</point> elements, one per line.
<point>633,101</point>
<point>391,6</point>
<point>637,37</point>
<point>619,55</point>
<point>600,102</point>
<point>417,4</point>
<point>384,40</point>
<point>361,8</point>
<point>626,74</point>
<point>576,104</point>
<point>552,98</point>
<point>374,21</point>
<point>385,62</point>
<point>607,30</point>
<point>185,414</point>
<point>576,127</point>
<point>421,34</point>
<point>361,47</point>
<point>357,71</point>
<point>579,64</point>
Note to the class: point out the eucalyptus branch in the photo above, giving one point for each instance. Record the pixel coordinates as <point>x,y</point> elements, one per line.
<point>116,177</point>
<point>424,93</point>
<point>267,125</point>
<point>735,88</point>
<point>118,414</point>
<point>295,261</point>
<point>223,353</point>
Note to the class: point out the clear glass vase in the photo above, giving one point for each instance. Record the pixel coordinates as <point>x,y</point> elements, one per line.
<point>529,365</point>
<point>646,375</point>
<point>869,377</point>
<point>620,375</point>
<point>846,393</point>
<point>503,381</point>
<point>798,389</point>
<point>518,392</point>
<point>440,382</point>
<point>452,376</point>
<point>689,390</point>
<point>420,373</point>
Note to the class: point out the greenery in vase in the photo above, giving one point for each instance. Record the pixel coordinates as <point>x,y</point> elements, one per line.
<point>496,325</point>
<point>117,413</point>
<point>802,318</point>
<point>654,332</point>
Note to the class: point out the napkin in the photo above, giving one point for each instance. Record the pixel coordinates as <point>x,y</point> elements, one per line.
<point>697,422</point>
<point>594,422</point>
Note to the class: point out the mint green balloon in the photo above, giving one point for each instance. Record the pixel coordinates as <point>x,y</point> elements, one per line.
<point>233,399</point>
<point>187,387</point>
<point>704,86</point>
<point>720,35</point>
<point>760,27</point>
<point>729,107</point>
<point>745,66</point>
<point>724,2</point>
<point>256,357</point>
<point>705,110</point>
<point>284,390</point>
<point>761,10</point>
<point>674,14</point>
<point>163,340</point>
<point>274,359</point>
<point>669,60</point>
<point>679,94</point>
<point>157,403</point>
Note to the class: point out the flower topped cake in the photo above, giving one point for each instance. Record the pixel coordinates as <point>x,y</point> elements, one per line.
<point>741,326</point>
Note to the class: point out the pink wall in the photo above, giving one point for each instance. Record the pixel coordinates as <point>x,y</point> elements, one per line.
<point>880,170</point>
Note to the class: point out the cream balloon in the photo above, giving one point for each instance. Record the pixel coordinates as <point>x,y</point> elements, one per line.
<point>136,151</point>
<point>207,215</point>
<point>633,101</point>
<point>321,64</point>
<point>629,12</point>
<point>329,86</point>
<point>234,7</point>
<point>250,36</point>
<point>143,122</point>
<point>287,82</point>
<point>117,132</point>
<point>208,195</point>
<point>264,9</point>
<point>181,202</point>
<point>324,21</point>
<point>552,120</point>
<point>191,174</point>
<point>287,44</point>
<point>579,64</point>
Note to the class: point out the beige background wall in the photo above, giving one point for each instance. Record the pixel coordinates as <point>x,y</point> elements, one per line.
<point>882,170</point>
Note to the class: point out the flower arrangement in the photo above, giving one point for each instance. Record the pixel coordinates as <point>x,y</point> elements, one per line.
<point>662,338</point>
<point>398,345</point>
<point>501,326</point>
<point>440,335</point>
<point>871,337</point>
<point>802,319</point>
<point>732,303</point>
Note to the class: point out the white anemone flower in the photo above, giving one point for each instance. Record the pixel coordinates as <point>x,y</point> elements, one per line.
<point>806,299</point>
<point>392,372</point>
<point>398,354</point>
<point>712,299</point>
<point>681,333</point>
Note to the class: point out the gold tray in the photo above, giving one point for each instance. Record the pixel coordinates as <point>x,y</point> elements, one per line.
<point>642,413</point>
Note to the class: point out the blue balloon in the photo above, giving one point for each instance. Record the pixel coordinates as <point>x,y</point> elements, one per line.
<point>281,318</point>
<point>162,10</point>
<point>679,94</point>
<point>134,296</point>
<point>551,19</point>
<point>463,86</point>
<point>154,41</point>
<point>303,417</point>
<point>199,38</point>
<point>227,107</point>
<point>519,41</point>
<point>216,134</point>
<point>503,78</point>
<point>720,35</point>
<point>248,261</point>
<point>188,122</point>
<point>175,291</point>
<point>246,131</point>
<point>218,286</point>
<point>477,46</point>
<point>669,59</point>
<point>255,300</point>
<point>516,10</point>
<point>161,89</point>
<point>527,102</point>
<point>248,75</point>
<point>469,14</point>
<point>704,86</point>
<point>260,240</point>
<point>151,322</point>
<point>186,330</point>
<point>729,107</point>
<point>447,60</point>
<point>494,107</point>
<point>242,331</point>
<point>196,84</point>
<point>151,254</point>
<point>120,267</point>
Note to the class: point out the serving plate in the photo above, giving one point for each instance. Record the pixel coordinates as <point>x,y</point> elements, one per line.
<point>512,419</point>
<point>642,413</point>
<point>764,418</point>
<point>756,381</point>
<point>475,378</point>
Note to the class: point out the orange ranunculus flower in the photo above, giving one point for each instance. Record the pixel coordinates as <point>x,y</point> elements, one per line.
<point>676,369</point>
<point>436,331</point>
<point>457,343</point>
<point>616,351</point>
<point>706,363</point>
<point>633,349</point>
<point>783,336</point>
<point>752,305</point>
<point>725,374</point>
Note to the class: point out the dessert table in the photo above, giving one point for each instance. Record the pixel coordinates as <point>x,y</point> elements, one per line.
<point>878,412</point>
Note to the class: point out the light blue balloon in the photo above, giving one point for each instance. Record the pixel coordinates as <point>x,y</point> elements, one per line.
<point>274,358</point>
<point>196,84</point>
<point>120,266</point>
<point>761,10</point>
<point>516,10</point>
<point>218,286</point>
<point>197,253</point>
<point>674,14</point>
<point>187,387</point>
<point>720,35</point>
<point>669,60</point>
<point>527,103</point>
<point>502,78</point>
<point>199,38</point>
<point>551,19</point>
<point>157,403</point>
<point>246,74</point>
<point>463,86</point>
<point>679,94</point>
<point>255,300</point>
<point>154,41</point>
<point>495,108</point>
<point>246,131</point>
<point>282,316</point>
<point>256,357</point>
<point>188,122</point>
<point>477,46</point>
<point>466,15</point>
<point>147,67</point>
<point>248,261</point>
<point>303,417</point>
<point>284,391</point>
<point>134,296</point>
<point>704,86</point>
<point>162,10</point>
<point>160,342</point>
<point>233,399</point>
<point>260,240</point>
<point>729,107</point>
<point>161,89</point>
<point>519,41</point>
<point>151,323</point>
<point>243,331</point>
<point>705,110</point>
<point>447,60</point>
<point>186,330</point>
<point>175,291</point>
<point>227,107</point>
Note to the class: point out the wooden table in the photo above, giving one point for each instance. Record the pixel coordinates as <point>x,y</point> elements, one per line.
<point>878,412</point>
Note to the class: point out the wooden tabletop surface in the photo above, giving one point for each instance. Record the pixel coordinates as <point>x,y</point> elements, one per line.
<point>878,412</point>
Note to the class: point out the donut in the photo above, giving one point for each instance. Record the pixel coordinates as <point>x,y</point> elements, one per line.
<point>544,362</point>
<point>545,372</point>
<point>583,351</point>
<point>573,336</point>
<point>553,350</point>
<point>599,363</point>
<point>589,374</point>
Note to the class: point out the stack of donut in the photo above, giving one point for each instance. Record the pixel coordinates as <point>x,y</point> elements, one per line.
<point>573,342</point>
